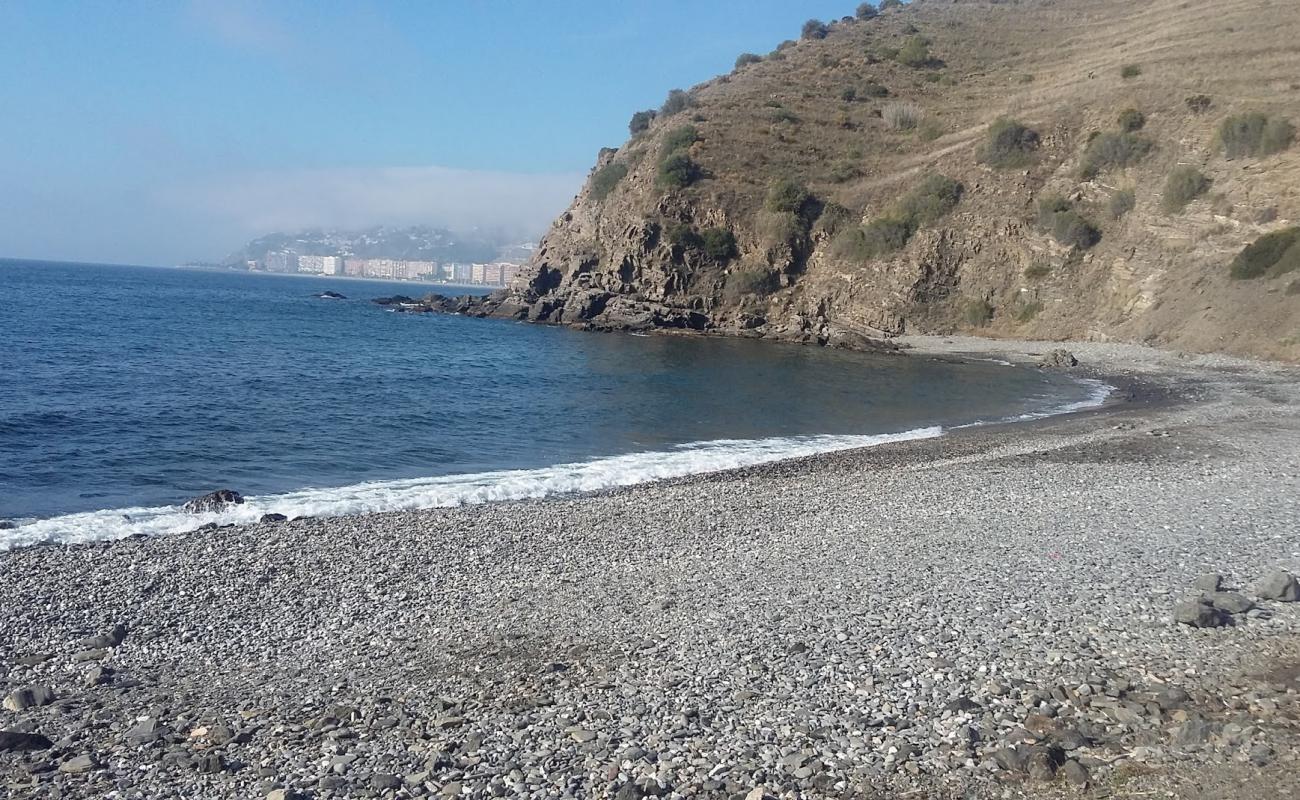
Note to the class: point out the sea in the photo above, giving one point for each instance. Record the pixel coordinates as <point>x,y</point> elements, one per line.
<point>125,391</point>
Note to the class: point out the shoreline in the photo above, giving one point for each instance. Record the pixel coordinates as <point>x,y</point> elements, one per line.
<point>984,614</point>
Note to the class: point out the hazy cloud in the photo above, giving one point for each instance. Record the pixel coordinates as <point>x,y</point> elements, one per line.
<point>240,24</point>
<point>252,204</point>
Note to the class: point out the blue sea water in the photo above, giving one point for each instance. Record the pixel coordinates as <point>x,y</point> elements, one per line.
<point>125,391</point>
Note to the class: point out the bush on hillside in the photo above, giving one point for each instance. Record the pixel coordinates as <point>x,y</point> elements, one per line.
<point>745,59</point>
<point>1130,119</point>
<point>977,312</point>
<point>1270,255</point>
<point>785,115</point>
<point>1199,103</point>
<point>683,237</point>
<point>606,178</point>
<point>1009,144</point>
<point>1130,71</point>
<point>848,94</point>
<point>901,116</point>
<point>785,195</point>
<point>1111,150</point>
<point>915,52</point>
<point>1120,203</point>
<point>677,102</point>
<point>1255,135</point>
<point>718,244</point>
<point>873,90</point>
<point>930,200</point>
<point>1067,226</point>
<point>755,282</point>
<point>677,171</point>
<point>885,5</point>
<point>1185,184</point>
<point>680,139</point>
<point>814,29</point>
<point>641,121</point>
<point>866,11</point>
<point>879,237</point>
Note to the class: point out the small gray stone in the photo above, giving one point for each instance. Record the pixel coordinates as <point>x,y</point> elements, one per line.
<point>1279,586</point>
<point>78,764</point>
<point>1209,582</point>
<point>383,780</point>
<point>1075,773</point>
<point>28,697</point>
<point>113,638</point>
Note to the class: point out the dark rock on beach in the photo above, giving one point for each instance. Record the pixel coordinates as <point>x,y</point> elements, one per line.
<point>214,501</point>
<point>268,518</point>
<point>1279,586</point>
<point>394,300</point>
<point>17,741</point>
<point>1200,614</point>
<point>1059,359</point>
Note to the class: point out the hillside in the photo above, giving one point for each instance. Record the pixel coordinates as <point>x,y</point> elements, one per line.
<point>844,187</point>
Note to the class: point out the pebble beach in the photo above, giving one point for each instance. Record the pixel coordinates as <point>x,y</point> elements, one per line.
<point>993,613</point>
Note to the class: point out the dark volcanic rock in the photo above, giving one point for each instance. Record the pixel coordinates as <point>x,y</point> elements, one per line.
<point>1199,614</point>
<point>1232,602</point>
<point>6,525</point>
<point>17,741</point>
<point>214,501</point>
<point>328,295</point>
<point>394,300</point>
<point>273,518</point>
<point>111,639</point>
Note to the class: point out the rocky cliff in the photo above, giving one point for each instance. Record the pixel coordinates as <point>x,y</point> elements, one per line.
<point>1086,169</point>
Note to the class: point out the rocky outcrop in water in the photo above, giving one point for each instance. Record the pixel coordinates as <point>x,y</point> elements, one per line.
<point>214,501</point>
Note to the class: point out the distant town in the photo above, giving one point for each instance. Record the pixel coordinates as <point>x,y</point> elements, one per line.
<point>497,273</point>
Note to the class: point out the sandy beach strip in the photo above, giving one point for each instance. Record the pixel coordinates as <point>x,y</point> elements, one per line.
<point>986,614</point>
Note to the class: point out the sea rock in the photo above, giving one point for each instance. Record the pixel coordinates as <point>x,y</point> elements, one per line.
<point>1200,615</point>
<point>1279,586</point>
<point>113,638</point>
<point>7,525</point>
<point>78,764</point>
<point>28,697</point>
<point>394,300</point>
<point>1059,359</point>
<point>17,741</point>
<point>329,295</point>
<point>267,518</point>
<point>214,501</point>
<point>1232,602</point>
<point>1209,582</point>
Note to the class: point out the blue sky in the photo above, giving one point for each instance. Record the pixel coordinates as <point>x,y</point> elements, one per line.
<point>159,132</point>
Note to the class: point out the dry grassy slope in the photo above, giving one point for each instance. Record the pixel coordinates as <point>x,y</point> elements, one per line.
<point>1154,277</point>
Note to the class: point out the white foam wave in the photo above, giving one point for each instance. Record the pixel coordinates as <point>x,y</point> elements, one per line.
<point>450,490</point>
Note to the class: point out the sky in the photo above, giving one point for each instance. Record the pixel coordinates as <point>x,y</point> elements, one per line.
<point>153,132</point>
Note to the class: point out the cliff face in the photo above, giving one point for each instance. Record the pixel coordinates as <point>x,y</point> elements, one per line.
<point>802,197</point>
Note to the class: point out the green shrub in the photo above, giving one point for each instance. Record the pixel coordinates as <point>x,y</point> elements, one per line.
<point>848,94</point>
<point>1130,71</point>
<point>718,244</point>
<point>745,59</point>
<point>977,312</point>
<point>787,196</point>
<point>834,219</point>
<point>1270,255</point>
<point>1130,119</point>
<point>677,171</point>
<point>785,115</point>
<point>1199,103</point>
<point>873,90</point>
<point>606,178</point>
<point>915,52</point>
<point>885,5</point>
<point>677,102</point>
<point>780,227</point>
<point>1112,150</point>
<point>814,29</point>
<point>750,283</point>
<point>641,121</point>
<point>1025,312</point>
<point>1067,226</point>
<point>1185,184</point>
<point>683,237</point>
<point>1120,203</point>
<point>844,171</point>
<point>680,139</point>
<point>1009,144</point>
<point>930,200</point>
<point>866,11</point>
<point>1255,134</point>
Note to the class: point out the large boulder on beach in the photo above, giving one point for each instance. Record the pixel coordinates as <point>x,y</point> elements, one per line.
<point>1199,614</point>
<point>18,741</point>
<point>1279,586</point>
<point>214,501</point>
<point>1059,359</point>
